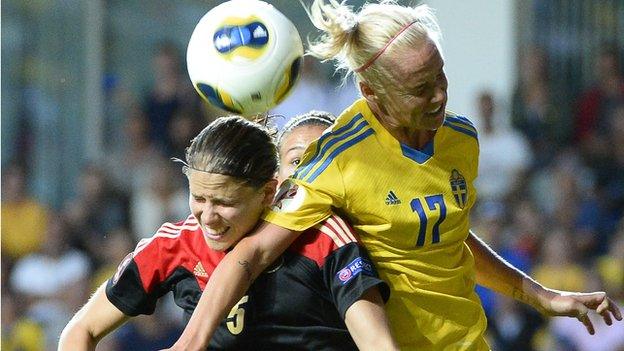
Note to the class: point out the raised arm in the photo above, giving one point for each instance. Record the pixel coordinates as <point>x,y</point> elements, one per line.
<point>91,323</point>
<point>231,279</point>
<point>368,325</point>
<point>497,274</point>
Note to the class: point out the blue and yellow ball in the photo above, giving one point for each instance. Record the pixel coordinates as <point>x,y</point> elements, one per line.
<point>244,57</point>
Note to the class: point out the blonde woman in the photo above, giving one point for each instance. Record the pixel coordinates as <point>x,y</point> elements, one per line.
<point>400,168</point>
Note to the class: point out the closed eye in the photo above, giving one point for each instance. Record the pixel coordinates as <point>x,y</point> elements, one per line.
<point>224,203</point>
<point>419,90</point>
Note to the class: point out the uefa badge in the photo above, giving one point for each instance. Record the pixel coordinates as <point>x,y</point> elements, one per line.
<point>344,275</point>
<point>353,269</point>
<point>459,188</point>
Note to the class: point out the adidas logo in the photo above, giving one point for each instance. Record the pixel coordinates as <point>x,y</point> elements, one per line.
<point>392,199</point>
<point>200,271</point>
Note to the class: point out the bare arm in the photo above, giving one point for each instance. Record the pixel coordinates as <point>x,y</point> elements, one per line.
<point>367,323</point>
<point>231,279</point>
<point>495,273</point>
<point>91,323</point>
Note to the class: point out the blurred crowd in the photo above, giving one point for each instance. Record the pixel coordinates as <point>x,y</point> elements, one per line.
<point>551,201</point>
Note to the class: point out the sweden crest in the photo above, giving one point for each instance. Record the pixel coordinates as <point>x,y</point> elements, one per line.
<point>459,188</point>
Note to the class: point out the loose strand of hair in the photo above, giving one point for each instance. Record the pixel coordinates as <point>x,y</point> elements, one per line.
<point>338,24</point>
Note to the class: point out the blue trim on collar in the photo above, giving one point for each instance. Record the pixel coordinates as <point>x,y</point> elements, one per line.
<point>420,156</point>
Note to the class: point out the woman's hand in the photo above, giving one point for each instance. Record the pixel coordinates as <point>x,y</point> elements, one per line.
<point>578,305</point>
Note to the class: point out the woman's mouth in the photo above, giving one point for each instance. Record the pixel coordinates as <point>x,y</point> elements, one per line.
<point>215,234</point>
<point>434,111</point>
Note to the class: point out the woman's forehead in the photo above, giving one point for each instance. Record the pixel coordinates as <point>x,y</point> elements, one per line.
<point>415,61</point>
<point>304,132</point>
<point>206,183</point>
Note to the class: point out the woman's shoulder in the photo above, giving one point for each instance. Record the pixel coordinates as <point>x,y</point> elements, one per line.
<point>321,240</point>
<point>461,124</point>
<point>172,235</point>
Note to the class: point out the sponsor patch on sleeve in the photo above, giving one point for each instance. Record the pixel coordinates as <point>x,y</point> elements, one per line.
<point>289,197</point>
<point>354,268</point>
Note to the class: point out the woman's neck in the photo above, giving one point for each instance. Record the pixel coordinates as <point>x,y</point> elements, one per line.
<point>412,137</point>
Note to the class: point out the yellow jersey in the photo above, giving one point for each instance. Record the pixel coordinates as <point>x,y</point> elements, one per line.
<point>23,226</point>
<point>410,208</point>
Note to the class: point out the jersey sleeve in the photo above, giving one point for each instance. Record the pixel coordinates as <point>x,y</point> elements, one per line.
<point>136,287</point>
<point>307,198</point>
<point>348,271</point>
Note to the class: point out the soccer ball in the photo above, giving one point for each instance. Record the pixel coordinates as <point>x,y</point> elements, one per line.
<point>244,56</point>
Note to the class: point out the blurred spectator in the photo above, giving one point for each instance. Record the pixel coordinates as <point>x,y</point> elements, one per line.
<point>611,266</point>
<point>149,332</point>
<point>23,217</point>
<point>170,92</point>
<point>598,100</point>
<point>492,225</point>
<point>566,192</point>
<point>539,110</point>
<point>115,246</point>
<point>513,325</point>
<point>527,229</point>
<point>489,221</point>
<point>19,332</point>
<point>314,91</point>
<point>600,131</point>
<point>97,209</point>
<point>120,103</point>
<point>577,210</point>
<point>608,165</point>
<point>504,156</point>
<point>600,148</point>
<point>572,335</point>
<point>52,282</point>
<point>183,127</point>
<point>132,165</point>
<point>162,200</point>
<point>576,186</point>
<point>558,267</point>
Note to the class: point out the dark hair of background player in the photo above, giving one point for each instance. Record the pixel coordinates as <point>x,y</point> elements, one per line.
<point>312,118</point>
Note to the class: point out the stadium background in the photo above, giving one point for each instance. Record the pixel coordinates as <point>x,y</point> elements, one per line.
<point>95,98</point>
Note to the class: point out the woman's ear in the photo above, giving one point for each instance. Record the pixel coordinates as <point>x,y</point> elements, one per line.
<point>372,99</point>
<point>367,91</point>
